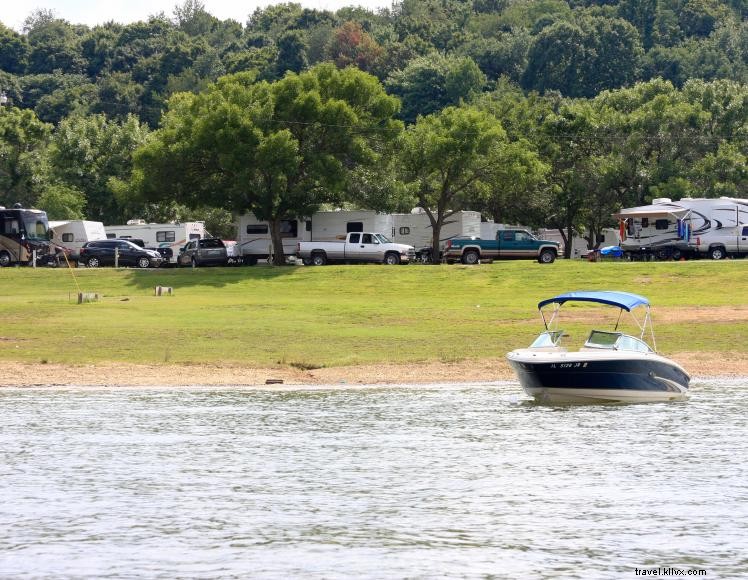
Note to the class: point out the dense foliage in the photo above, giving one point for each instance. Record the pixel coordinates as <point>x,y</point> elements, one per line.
<point>592,104</point>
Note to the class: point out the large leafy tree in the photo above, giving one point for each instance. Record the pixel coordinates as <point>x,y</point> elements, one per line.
<point>570,145</point>
<point>581,59</point>
<point>23,145</point>
<point>430,83</point>
<point>90,155</point>
<point>276,149</point>
<point>449,158</point>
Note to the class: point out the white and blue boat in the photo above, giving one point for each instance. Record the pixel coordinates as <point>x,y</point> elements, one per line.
<point>610,366</point>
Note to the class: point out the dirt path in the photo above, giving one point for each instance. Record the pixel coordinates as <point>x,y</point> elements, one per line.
<point>23,374</point>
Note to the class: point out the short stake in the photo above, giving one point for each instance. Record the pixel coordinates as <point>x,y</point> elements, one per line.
<point>84,297</point>
<point>164,291</point>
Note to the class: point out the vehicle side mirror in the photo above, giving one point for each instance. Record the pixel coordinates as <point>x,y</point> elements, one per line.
<point>50,234</point>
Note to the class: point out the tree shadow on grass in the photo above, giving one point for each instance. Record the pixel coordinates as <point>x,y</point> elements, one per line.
<point>213,277</point>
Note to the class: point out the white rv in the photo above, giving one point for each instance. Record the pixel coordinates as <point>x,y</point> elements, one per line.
<point>254,241</point>
<point>414,229</point>
<point>333,225</point>
<point>688,227</point>
<point>72,234</point>
<point>168,239</point>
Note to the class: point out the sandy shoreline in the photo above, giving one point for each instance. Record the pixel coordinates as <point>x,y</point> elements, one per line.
<point>120,374</point>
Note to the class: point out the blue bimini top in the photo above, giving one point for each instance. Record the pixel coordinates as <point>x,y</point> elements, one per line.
<point>624,300</point>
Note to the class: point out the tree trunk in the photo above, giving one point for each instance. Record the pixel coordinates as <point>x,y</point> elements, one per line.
<point>569,241</point>
<point>278,256</point>
<point>436,230</point>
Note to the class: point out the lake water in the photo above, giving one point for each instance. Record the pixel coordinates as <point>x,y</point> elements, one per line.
<point>399,482</point>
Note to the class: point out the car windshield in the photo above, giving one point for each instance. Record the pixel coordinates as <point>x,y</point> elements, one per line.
<point>35,224</point>
<point>383,239</point>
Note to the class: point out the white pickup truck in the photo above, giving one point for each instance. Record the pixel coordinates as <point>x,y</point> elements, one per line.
<point>357,247</point>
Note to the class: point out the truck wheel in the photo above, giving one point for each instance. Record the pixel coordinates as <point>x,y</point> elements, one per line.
<point>319,259</point>
<point>547,257</point>
<point>391,259</point>
<point>717,253</point>
<point>471,257</point>
<point>4,259</point>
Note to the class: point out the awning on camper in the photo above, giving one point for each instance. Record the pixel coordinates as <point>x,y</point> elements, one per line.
<point>652,211</point>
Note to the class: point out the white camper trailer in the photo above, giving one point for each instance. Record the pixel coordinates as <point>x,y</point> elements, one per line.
<point>414,229</point>
<point>253,241</point>
<point>72,234</point>
<point>331,225</point>
<point>168,239</point>
<point>691,227</point>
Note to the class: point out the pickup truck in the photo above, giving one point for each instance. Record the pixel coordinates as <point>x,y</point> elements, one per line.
<point>722,243</point>
<point>357,247</point>
<point>509,244</point>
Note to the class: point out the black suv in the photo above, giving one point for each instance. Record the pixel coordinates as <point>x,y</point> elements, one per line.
<point>101,253</point>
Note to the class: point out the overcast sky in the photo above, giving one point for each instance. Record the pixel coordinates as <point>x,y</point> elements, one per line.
<point>91,12</point>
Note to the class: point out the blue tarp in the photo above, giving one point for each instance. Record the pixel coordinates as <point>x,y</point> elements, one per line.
<point>614,251</point>
<point>624,300</point>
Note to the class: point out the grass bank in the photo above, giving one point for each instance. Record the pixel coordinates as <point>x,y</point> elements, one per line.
<point>344,315</point>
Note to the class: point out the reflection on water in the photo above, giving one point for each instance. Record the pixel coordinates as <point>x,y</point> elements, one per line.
<point>464,481</point>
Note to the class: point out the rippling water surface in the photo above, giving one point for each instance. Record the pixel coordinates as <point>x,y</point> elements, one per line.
<point>417,482</point>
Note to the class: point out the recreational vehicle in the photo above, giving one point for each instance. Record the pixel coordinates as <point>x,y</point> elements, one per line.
<point>255,242</point>
<point>332,225</point>
<point>168,238</point>
<point>690,227</point>
<point>414,229</point>
<point>70,235</point>
<point>24,235</point>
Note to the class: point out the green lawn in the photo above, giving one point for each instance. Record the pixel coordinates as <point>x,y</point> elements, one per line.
<point>340,315</point>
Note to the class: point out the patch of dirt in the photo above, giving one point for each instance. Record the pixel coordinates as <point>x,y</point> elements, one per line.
<point>698,364</point>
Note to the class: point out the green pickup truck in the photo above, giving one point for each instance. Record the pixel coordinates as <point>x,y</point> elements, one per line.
<point>509,244</point>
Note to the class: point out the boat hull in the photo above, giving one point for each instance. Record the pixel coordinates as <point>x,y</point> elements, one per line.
<point>590,377</point>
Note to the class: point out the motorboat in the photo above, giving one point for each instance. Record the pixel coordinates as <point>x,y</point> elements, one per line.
<point>611,366</point>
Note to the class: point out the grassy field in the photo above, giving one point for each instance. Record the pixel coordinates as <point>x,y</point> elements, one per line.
<point>343,315</point>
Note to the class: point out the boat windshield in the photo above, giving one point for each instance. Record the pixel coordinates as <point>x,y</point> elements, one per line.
<point>616,341</point>
<point>546,339</point>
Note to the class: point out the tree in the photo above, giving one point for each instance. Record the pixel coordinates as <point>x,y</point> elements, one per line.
<point>279,149</point>
<point>352,45</point>
<point>13,51</point>
<point>291,55</point>
<point>571,145</point>
<point>88,153</point>
<point>449,158</point>
<point>584,58</point>
<point>23,143</point>
<point>62,202</point>
<point>430,83</point>
<point>53,45</point>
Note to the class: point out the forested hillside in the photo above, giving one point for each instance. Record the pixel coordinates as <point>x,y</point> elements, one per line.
<point>550,112</point>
